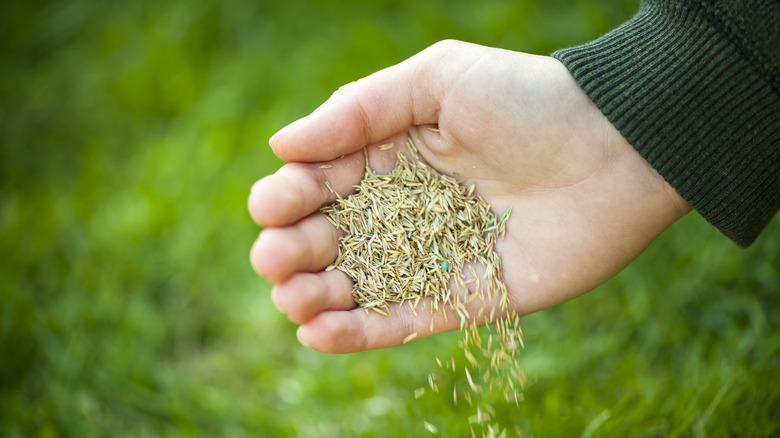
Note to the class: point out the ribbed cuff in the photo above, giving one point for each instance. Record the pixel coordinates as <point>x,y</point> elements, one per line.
<point>696,110</point>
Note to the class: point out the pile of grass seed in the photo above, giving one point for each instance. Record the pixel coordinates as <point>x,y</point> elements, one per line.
<point>416,233</point>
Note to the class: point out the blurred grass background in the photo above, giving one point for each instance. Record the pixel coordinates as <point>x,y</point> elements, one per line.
<point>131,133</point>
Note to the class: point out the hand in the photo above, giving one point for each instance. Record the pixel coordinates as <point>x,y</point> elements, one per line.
<point>585,204</point>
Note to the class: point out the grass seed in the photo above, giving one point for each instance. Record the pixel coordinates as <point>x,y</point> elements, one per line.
<point>409,235</point>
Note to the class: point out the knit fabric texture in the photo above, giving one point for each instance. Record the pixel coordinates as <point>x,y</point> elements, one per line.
<point>694,86</point>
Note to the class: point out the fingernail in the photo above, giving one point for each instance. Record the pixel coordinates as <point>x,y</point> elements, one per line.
<point>298,335</point>
<point>288,128</point>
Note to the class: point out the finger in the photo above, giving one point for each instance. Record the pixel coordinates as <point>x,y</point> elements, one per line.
<point>376,107</point>
<point>339,332</point>
<point>305,294</point>
<point>298,189</point>
<point>358,330</point>
<point>307,246</point>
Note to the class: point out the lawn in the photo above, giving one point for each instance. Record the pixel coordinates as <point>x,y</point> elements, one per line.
<point>131,133</point>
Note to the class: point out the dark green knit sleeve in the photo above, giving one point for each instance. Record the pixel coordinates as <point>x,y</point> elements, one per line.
<point>694,86</point>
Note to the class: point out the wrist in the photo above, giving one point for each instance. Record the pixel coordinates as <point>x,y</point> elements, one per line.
<point>703,114</point>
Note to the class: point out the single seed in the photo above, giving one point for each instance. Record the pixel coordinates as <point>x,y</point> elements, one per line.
<point>471,381</point>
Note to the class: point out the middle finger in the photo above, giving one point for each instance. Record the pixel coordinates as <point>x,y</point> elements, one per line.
<point>309,245</point>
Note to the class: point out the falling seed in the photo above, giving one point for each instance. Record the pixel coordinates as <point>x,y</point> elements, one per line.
<point>410,337</point>
<point>430,428</point>
<point>470,357</point>
<point>434,387</point>
<point>471,381</point>
<point>455,395</point>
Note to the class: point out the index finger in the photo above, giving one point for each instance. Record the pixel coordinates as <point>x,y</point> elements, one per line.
<point>297,189</point>
<point>376,107</point>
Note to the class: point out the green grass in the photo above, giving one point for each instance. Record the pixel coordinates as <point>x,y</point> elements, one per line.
<point>131,133</point>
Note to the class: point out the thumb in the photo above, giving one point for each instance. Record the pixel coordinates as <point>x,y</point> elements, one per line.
<point>371,109</point>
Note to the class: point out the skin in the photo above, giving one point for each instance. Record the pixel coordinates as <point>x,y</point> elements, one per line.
<point>585,204</point>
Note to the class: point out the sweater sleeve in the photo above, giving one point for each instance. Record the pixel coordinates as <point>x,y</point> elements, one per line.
<point>694,86</point>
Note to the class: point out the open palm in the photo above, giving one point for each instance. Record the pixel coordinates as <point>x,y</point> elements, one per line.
<point>585,204</point>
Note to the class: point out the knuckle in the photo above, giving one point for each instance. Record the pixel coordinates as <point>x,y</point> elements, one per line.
<point>445,46</point>
<point>346,87</point>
